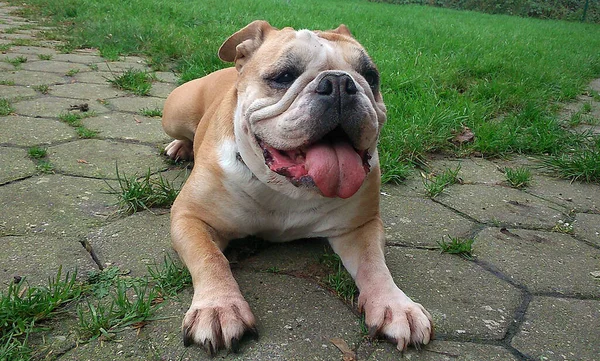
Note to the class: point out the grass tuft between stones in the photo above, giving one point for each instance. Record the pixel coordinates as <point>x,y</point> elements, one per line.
<point>137,81</point>
<point>108,302</point>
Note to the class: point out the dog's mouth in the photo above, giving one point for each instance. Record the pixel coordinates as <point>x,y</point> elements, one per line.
<point>331,164</point>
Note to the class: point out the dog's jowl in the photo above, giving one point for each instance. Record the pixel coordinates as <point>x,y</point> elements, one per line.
<point>284,147</point>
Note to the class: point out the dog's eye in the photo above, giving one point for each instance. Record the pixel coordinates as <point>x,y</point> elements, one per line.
<point>372,78</point>
<point>285,78</point>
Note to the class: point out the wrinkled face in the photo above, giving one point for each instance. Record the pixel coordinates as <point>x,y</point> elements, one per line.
<point>309,113</point>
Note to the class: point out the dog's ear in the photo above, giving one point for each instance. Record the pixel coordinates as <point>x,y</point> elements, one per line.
<point>240,46</point>
<point>342,30</point>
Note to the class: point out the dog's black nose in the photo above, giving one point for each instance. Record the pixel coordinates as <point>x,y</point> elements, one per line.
<point>333,84</point>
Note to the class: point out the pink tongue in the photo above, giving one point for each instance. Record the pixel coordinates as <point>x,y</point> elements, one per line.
<point>336,169</point>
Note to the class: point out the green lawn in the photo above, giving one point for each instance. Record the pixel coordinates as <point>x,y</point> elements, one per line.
<point>442,70</point>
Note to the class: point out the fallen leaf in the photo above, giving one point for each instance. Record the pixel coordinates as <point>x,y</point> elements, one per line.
<point>347,353</point>
<point>82,161</point>
<point>466,135</point>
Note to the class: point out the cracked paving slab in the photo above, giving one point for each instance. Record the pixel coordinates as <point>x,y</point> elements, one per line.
<point>560,329</point>
<point>98,158</point>
<point>54,204</point>
<point>464,300</point>
<point>544,262</point>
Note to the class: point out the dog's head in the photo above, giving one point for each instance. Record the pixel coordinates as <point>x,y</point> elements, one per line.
<point>309,108</point>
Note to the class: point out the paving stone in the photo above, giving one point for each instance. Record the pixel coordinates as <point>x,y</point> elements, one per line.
<point>89,92</point>
<point>52,66</point>
<point>79,58</point>
<point>120,66</point>
<point>437,351</point>
<point>587,226</point>
<point>134,242</point>
<point>419,221</point>
<point>52,107</point>
<point>580,197</point>
<point>128,126</point>
<point>162,90</point>
<point>6,66</point>
<point>547,262</point>
<point>295,320</point>
<point>16,36</point>
<point>135,103</point>
<point>54,204</point>
<point>472,170</point>
<point>27,131</point>
<point>298,257</point>
<point>167,77</point>
<point>502,205</point>
<point>37,257</point>
<point>464,300</point>
<point>99,158</point>
<point>14,164</point>
<point>97,77</point>
<point>560,329</point>
<point>31,58</point>
<point>30,78</point>
<point>35,50</point>
<point>12,92</point>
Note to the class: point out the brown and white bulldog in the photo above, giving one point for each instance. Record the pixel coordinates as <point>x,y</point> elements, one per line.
<point>284,147</point>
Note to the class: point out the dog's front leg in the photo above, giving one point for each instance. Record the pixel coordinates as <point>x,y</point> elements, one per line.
<point>388,311</point>
<point>219,315</point>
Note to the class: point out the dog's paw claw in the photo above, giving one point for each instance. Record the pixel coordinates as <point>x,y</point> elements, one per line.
<point>216,327</point>
<point>398,319</point>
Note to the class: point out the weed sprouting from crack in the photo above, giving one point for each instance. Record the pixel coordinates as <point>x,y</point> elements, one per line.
<point>340,280</point>
<point>459,246</point>
<point>170,277</point>
<point>135,194</point>
<point>437,184</point>
<point>137,81</point>
<point>518,177</point>
<point>22,308</point>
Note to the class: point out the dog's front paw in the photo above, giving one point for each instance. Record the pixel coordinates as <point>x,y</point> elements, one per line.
<point>395,316</point>
<point>180,150</point>
<point>218,322</point>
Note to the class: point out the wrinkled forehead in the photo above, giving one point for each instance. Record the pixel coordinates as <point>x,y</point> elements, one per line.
<point>305,49</point>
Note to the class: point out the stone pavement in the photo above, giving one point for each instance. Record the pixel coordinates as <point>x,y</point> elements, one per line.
<point>532,292</point>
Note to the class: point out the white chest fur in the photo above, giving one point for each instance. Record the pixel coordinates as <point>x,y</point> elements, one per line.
<point>278,216</point>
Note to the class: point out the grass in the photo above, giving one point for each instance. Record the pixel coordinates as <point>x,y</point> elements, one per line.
<point>156,112</point>
<point>135,194</point>
<point>37,152</point>
<point>5,107</point>
<point>170,276</point>
<point>109,302</point>
<point>459,246</point>
<point>339,280</point>
<point>136,81</point>
<point>72,72</point>
<point>45,56</point>
<point>45,167</point>
<point>7,82</point>
<point>518,177</point>
<point>23,308</point>
<point>74,120</point>
<point>500,76</point>
<point>435,185</point>
<point>42,88</point>
<point>16,61</point>
<point>582,165</point>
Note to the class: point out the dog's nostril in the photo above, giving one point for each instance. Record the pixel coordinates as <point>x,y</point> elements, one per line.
<point>350,86</point>
<point>325,87</point>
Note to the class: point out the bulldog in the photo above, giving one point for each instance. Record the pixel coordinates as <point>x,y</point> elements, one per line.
<point>284,147</point>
